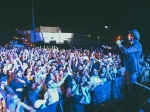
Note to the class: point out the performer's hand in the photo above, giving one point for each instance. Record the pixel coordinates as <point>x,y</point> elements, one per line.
<point>104,46</point>
<point>118,42</point>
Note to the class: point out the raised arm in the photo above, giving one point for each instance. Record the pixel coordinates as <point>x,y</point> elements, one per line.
<point>56,85</point>
<point>50,61</point>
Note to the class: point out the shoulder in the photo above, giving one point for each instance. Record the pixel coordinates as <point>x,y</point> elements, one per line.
<point>136,42</point>
<point>12,82</point>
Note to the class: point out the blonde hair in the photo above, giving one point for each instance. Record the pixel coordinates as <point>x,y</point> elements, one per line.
<point>10,102</point>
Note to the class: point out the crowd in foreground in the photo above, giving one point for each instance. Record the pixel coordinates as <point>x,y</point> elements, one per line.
<point>34,78</point>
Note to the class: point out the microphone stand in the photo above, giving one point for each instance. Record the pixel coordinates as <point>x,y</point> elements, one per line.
<point>113,82</point>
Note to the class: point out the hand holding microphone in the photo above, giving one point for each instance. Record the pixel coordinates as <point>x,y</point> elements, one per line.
<point>121,40</point>
<point>118,42</point>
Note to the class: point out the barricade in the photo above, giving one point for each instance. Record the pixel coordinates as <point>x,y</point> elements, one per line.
<point>99,95</point>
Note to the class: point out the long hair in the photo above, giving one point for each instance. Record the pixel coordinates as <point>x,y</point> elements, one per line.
<point>10,102</point>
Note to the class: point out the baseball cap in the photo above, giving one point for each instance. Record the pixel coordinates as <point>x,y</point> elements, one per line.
<point>135,33</point>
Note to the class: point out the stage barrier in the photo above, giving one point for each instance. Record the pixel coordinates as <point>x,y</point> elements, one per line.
<point>99,95</point>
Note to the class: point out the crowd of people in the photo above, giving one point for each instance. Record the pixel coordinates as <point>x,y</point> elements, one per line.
<point>34,78</point>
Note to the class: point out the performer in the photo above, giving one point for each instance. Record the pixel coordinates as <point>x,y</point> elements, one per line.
<point>132,66</point>
<point>132,55</point>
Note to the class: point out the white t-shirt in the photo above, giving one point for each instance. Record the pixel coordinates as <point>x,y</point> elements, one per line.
<point>52,95</point>
<point>95,79</point>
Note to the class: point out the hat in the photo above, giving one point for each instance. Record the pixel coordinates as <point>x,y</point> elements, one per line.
<point>135,33</point>
<point>18,70</point>
<point>3,77</point>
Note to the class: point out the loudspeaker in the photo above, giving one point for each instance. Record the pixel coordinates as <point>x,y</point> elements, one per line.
<point>145,107</point>
<point>65,41</point>
<point>52,42</point>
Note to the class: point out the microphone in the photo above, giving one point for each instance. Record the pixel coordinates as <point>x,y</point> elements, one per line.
<point>121,40</point>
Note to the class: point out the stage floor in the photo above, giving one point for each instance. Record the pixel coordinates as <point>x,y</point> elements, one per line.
<point>117,106</point>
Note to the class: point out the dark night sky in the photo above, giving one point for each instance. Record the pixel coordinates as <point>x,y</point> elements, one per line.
<point>119,14</point>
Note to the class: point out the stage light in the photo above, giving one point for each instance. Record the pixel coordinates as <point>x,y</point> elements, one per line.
<point>106,27</point>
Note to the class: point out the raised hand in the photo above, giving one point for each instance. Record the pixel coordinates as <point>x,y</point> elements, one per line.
<point>118,42</point>
<point>104,46</point>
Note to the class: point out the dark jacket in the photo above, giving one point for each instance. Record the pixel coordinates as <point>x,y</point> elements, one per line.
<point>16,84</point>
<point>7,90</point>
<point>33,95</point>
<point>132,56</point>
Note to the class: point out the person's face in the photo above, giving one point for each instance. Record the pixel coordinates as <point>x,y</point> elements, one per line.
<point>50,83</point>
<point>62,61</point>
<point>7,61</point>
<point>118,56</point>
<point>85,72</point>
<point>39,62</point>
<point>10,72</point>
<point>130,37</point>
<point>34,85</point>
<point>54,56</point>
<point>109,54</point>
<point>19,74</point>
<point>84,79</point>
<point>73,59</point>
<point>61,72</point>
<point>95,72</point>
<point>25,65</point>
<point>73,82</point>
<point>52,76</point>
<point>54,67</point>
<point>80,67</point>
<point>88,64</point>
<point>104,70</point>
<point>33,62</point>
<point>28,71</point>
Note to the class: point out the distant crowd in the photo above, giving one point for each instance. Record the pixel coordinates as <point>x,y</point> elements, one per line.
<point>33,78</point>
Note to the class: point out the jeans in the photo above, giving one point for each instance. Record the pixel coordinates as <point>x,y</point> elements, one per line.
<point>129,88</point>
